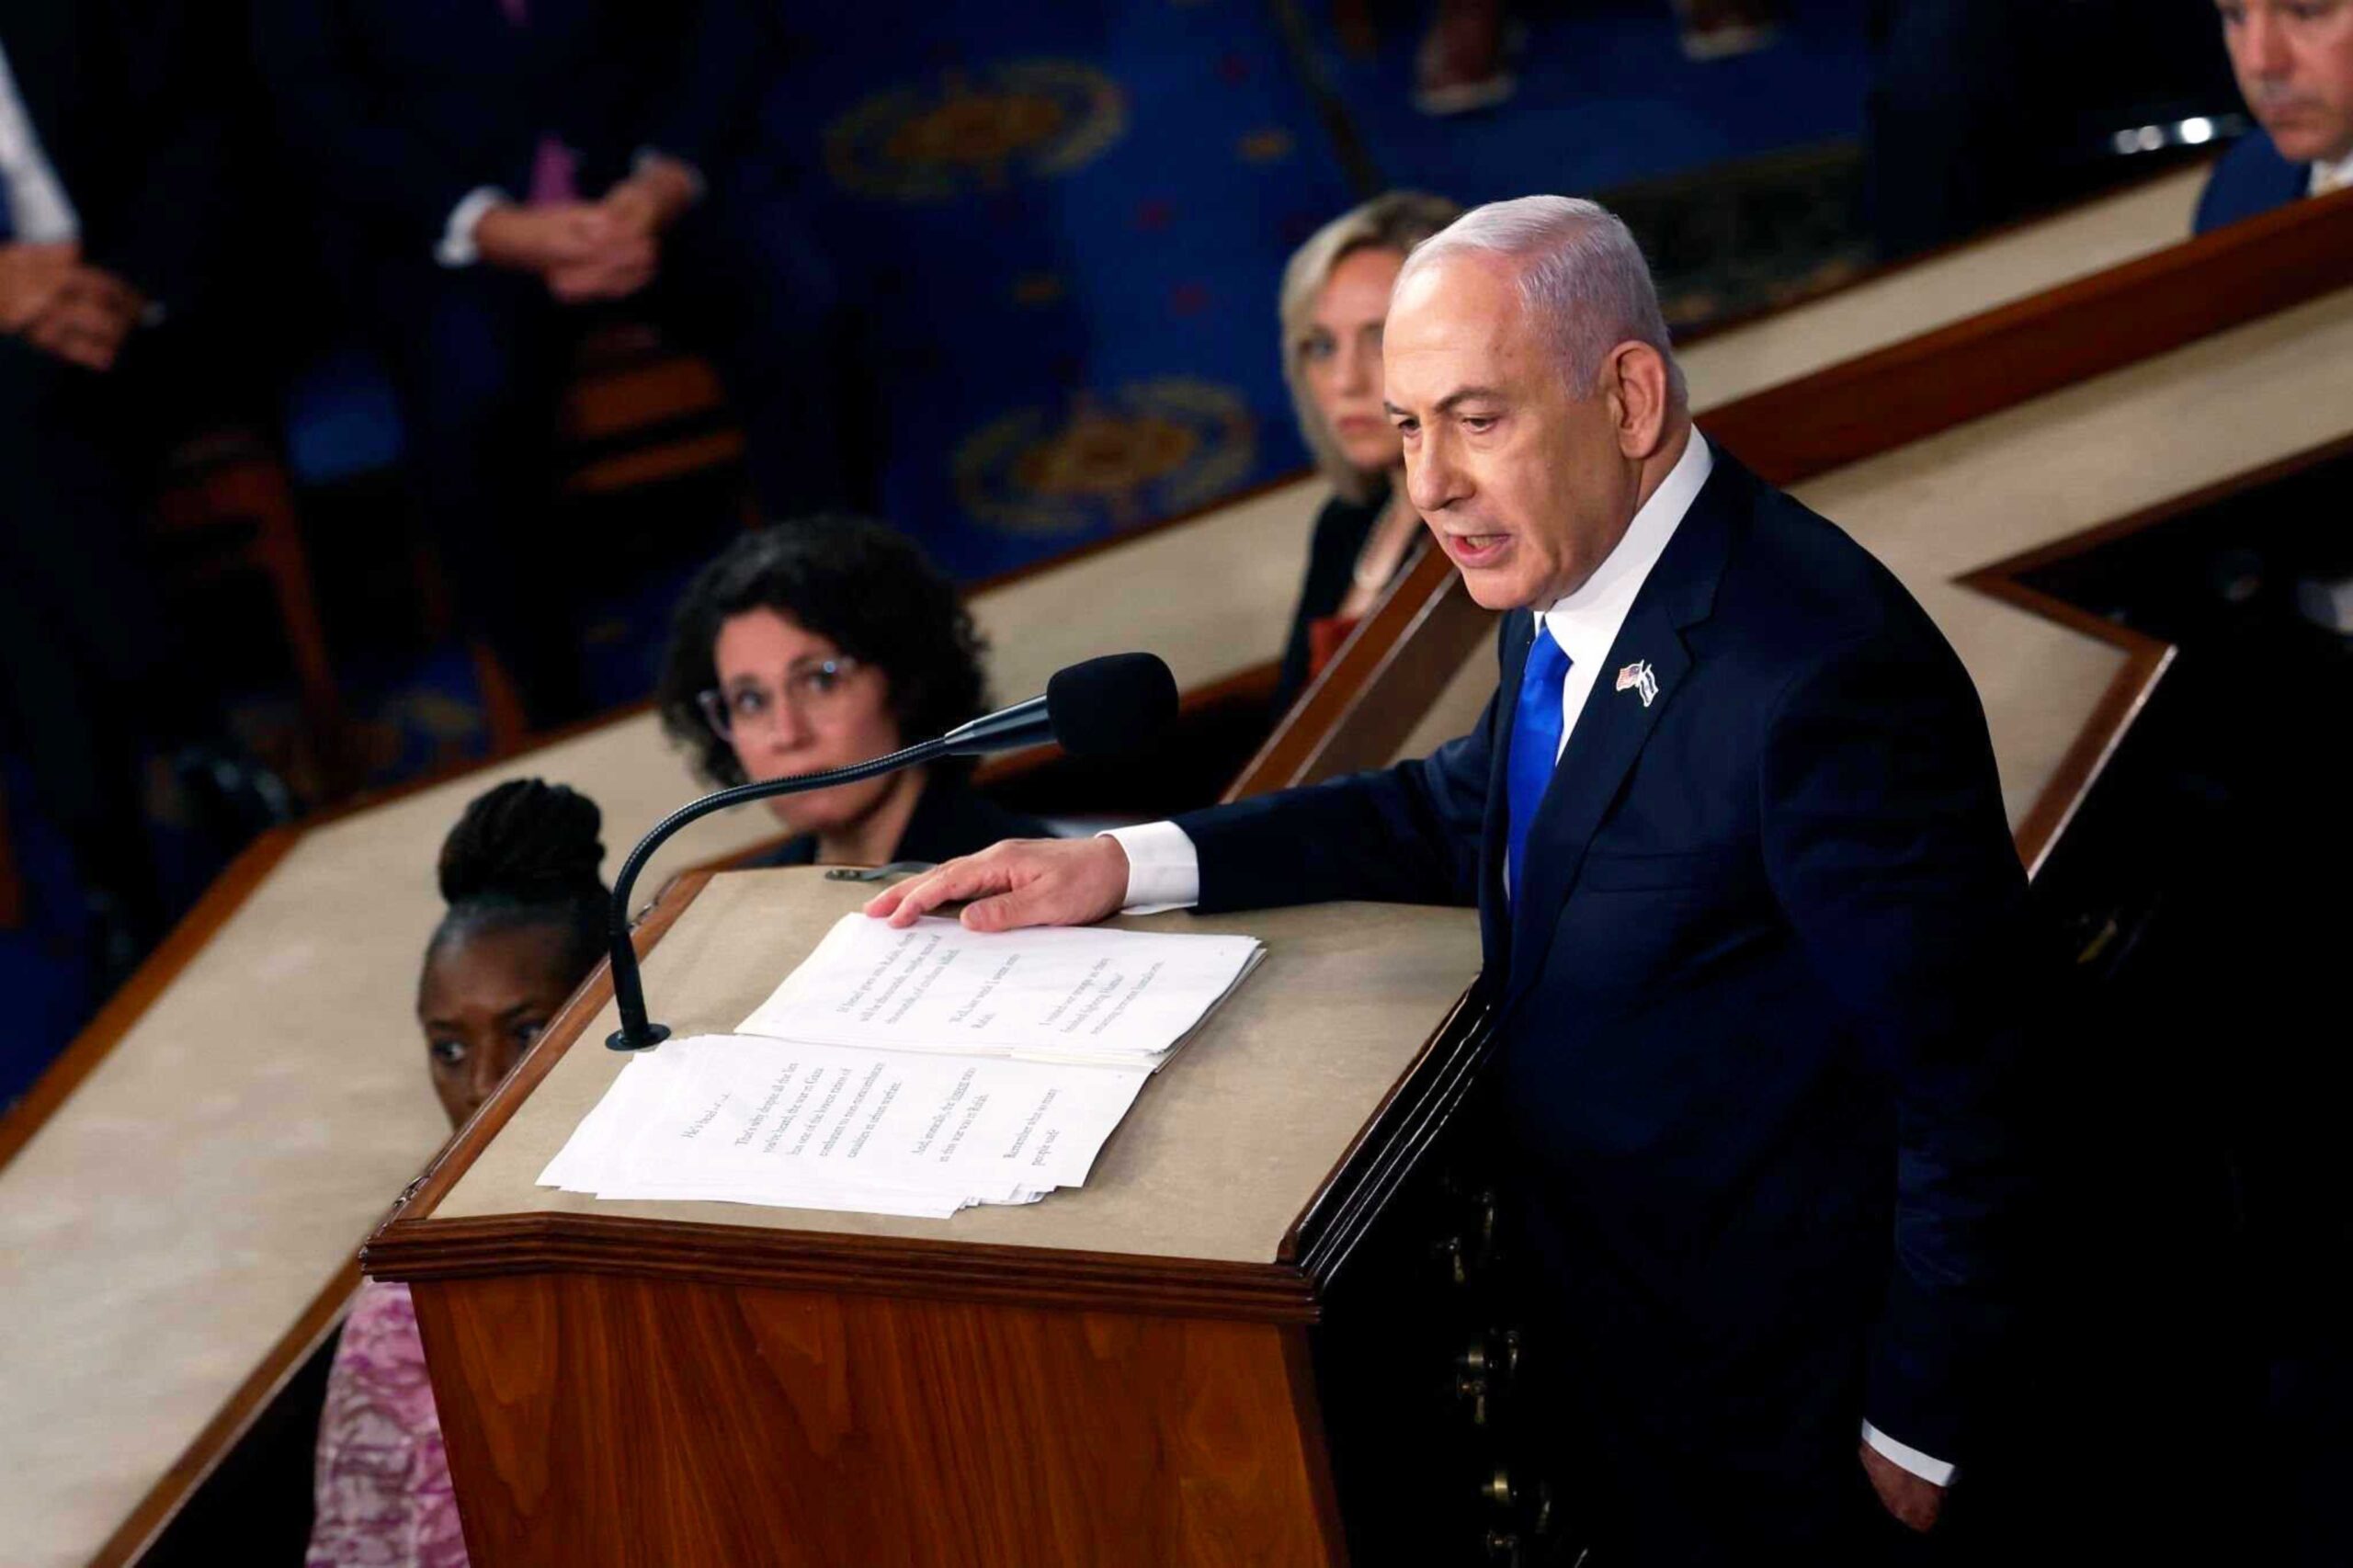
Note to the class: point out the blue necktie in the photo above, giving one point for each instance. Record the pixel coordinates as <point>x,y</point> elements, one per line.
<point>7,225</point>
<point>1535,744</point>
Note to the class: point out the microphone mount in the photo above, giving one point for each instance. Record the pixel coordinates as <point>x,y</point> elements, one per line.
<point>637,1032</point>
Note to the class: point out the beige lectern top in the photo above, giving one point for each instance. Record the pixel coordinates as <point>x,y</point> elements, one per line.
<point>1223,1152</point>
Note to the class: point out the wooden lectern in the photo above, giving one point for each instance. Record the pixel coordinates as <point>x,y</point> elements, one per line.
<point>1259,1335</point>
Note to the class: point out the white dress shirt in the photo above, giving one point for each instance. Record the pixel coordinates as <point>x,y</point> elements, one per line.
<point>1165,871</point>
<point>39,212</point>
<point>2328,177</point>
<point>1585,623</point>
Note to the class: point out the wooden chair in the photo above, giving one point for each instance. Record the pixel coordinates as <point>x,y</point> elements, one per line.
<point>637,411</point>
<point>228,489</point>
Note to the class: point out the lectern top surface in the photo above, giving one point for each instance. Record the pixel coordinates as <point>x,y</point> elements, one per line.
<point>1223,1151</point>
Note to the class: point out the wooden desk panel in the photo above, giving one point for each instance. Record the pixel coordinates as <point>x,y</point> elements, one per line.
<point>763,1428</point>
<point>1939,289</point>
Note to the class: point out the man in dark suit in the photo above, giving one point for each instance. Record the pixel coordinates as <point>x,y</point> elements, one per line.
<point>2294,63</point>
<point>1751,915</point>
<point>112,182</point>
<point>488,174</point>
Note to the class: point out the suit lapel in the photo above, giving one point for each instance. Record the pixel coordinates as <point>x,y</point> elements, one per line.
<point>1495,911</point>
<point>1616,723</point>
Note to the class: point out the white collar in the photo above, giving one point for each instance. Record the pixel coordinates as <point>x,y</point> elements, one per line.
<point>1586,623</point>
<point>2337,176</point>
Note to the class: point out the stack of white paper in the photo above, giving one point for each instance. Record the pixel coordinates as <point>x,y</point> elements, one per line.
<point>911,1073</point>
<point>744,1120</point>
<point>1071,994</point>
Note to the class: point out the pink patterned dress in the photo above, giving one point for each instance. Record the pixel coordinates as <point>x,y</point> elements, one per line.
<point>383,1494</point>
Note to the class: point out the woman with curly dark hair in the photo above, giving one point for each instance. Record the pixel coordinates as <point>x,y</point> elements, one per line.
<point>823,641</point>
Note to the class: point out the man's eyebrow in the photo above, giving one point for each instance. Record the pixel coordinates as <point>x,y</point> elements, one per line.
<point>1456,399</point>
<point>1448,404</point>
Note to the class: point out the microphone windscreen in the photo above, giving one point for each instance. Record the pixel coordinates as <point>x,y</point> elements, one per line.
<point>1110,704</point>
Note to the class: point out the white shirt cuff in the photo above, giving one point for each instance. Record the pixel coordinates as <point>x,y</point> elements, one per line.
<point>456,247</point>
<point>1935,1471</point>
<point>1163,868</point>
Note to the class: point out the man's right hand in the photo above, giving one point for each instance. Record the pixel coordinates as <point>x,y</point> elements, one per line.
<point>576,245</point>
<point>1022,882</point>
<point>87,319</point>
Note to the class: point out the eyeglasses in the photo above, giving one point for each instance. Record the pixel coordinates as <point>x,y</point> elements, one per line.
<point>816,690</point>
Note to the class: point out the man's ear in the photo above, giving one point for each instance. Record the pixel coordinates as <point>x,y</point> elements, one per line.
<point>1636,376</point>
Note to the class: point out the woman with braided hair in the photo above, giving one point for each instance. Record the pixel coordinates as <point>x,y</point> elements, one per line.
<point>524,922</point>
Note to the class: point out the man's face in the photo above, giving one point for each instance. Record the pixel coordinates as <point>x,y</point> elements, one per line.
<point>2294,62</point>
<point>1525,485</point>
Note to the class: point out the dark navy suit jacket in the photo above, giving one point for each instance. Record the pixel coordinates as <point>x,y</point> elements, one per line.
<point>1761,998</point>
<point>398,108</point>
<point>121,96</point>
<point>2251,177</point>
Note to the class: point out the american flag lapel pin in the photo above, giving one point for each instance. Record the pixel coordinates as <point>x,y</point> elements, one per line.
<point>1639,678</point>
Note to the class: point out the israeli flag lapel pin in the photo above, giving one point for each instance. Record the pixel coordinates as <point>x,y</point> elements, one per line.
<point>1642,680</point>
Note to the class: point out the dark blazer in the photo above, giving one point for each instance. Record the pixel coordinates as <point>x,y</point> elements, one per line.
<point>1759,998</point>
<point>950,819</point>
<point>1341,529</point>
<point>396,109</point>
<point>125,99</point>
<point>2251,177</point>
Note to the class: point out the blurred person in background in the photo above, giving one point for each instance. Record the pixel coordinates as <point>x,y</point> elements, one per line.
<point>113,193</point>
<point>821,642</point>
<point>525,924</point>
<point>2293,60</point>
<point>1465,62</point>
<point>1334,297</point>
<point>1983,112</point>
<point>491,176</point>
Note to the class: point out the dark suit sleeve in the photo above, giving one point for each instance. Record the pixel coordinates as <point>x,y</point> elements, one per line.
<point>1331,553</point>
<point>2250,178</point>
<point>1888,850</point>
<point>703,112</point>
<point>334,134</point>
<point>160,238</point>
<point>1406,834</point>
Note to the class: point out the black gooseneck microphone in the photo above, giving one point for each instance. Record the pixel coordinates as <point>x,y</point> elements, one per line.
<point>1103,706</point>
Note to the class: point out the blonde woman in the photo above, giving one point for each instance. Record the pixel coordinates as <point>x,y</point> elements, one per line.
<point>1335,298</point>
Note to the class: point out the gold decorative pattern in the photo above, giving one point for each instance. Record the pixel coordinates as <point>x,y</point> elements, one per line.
<point>1268,146</point>
<point>977,130</point>
<point>1151,449</point>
